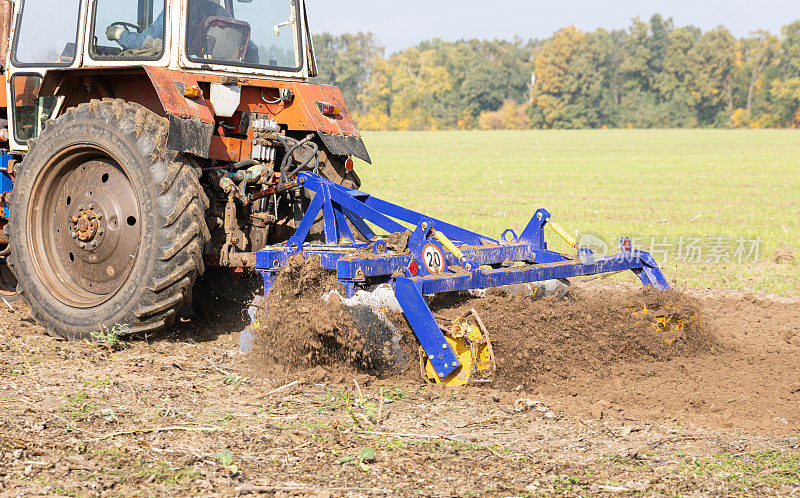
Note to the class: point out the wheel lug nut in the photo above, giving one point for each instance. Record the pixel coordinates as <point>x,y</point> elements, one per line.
<point>91,207</point>
<point>100,231</point>
<point>80,208</point>
<point>82,245</point>
<point>99,216</point>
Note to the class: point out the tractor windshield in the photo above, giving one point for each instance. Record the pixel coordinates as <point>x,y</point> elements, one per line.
<point>253,33</point>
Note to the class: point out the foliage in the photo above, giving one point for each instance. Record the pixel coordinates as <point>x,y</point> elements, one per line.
<point>365,457</point>
<point>234,379</point>
<point>744,470</point>
<point>345,59</point>
<point>511,116</point>
<point>110,338</point>
<point>225,457</point>
<point>651,75</point>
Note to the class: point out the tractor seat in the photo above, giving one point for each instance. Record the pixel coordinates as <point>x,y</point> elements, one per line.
<point>221,39</point>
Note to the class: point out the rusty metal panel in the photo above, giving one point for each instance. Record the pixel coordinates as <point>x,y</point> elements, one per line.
<point>6,19</point>
<point>169,85</point>
<point>262,96</point>
<point>230,149</point>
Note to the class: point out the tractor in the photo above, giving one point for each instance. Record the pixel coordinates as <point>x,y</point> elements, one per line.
<point>150,140</point>
<point>153,145</point>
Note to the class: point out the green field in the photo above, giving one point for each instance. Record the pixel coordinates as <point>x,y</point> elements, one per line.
<point>707,198</point>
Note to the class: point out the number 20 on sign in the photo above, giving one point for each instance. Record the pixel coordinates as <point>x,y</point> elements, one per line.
<point>433,259</point>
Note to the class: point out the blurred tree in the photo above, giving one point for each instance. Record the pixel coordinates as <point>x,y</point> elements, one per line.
<point>345,61</point>
<point>649,75</point>
<point>511,116</point>
<point>556,82</point>
<point>711,71</point>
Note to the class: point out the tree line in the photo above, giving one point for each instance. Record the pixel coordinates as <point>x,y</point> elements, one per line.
<point>652,74</point>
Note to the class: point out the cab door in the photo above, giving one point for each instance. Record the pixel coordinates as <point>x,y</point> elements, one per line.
<point>46,35</point>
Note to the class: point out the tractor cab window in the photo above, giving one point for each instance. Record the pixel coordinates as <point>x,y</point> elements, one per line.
<point>125,29</point>
<point>47,33</point>
<point>30,111</point>
<point>254,33</point>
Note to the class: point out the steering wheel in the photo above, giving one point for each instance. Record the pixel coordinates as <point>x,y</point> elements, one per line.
<point>127,26</point>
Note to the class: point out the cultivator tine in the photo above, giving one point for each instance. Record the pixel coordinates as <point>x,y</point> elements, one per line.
<point>437,349</point>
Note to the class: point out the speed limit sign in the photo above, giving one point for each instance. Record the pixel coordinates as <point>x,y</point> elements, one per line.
<point>433,259</point>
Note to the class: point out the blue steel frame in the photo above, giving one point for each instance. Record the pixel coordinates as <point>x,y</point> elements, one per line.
<point>485,263</point>
<point>6,184</point>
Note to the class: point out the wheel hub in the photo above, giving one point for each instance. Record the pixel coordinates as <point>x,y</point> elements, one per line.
<point>87,225</point>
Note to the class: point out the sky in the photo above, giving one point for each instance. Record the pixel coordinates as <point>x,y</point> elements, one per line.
<point>402,23</point>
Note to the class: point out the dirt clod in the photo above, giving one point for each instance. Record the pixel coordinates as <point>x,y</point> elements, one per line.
<point>298,329</point>
<point>785,254</point>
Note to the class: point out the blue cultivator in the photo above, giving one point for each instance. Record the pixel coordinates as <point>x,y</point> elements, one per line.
<point>437,258</point>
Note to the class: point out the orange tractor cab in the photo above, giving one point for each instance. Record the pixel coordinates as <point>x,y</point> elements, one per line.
<point>149,141</point>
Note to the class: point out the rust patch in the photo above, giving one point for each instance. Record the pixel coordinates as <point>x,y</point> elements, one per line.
<point>173,101</point>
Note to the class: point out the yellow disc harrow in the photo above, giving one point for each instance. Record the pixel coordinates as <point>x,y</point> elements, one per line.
<point>469,339</point>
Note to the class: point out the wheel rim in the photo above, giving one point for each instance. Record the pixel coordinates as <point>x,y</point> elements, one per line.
<point>83,226</point>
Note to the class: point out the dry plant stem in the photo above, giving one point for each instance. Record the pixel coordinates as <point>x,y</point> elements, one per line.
<point>273,489</point>
<point>71,426</point>
<point>380,406</point>
<point>287,386</point>
<point>25,358</point>
<point>218,369</point>
<point>360,394</point>
<point>400,434</point>
<point>352,414</point>
<point>158,429</point>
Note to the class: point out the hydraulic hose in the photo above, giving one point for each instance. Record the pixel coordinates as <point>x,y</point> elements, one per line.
<point>244,164</point>
<point>291,145</point>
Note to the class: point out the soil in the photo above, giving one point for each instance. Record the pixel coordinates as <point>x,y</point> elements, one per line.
<point>785,254</point>
<point>588,400</point>
<point>300,328</point>
<point>597,351</point>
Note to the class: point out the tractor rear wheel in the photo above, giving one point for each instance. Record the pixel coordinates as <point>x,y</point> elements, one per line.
<point>107,224</point>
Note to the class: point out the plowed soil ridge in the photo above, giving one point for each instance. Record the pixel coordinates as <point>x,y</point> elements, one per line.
<point>536,341</point>
<point>297,329</point>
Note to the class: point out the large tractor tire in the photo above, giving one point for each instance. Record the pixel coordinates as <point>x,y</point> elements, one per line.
<point>333,168</point>
<point>107,224</point>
